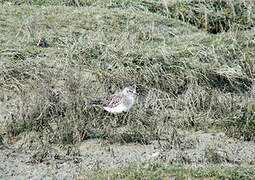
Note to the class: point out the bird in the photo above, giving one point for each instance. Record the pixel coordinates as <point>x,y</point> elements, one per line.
<point>118,102</point>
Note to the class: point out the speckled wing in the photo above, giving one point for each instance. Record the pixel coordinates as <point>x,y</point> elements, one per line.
<point>112,101</point>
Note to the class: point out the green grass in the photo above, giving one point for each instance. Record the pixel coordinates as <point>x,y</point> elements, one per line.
<point>164,171</point>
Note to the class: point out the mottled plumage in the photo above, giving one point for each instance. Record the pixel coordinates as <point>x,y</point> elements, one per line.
<point>119,102</point>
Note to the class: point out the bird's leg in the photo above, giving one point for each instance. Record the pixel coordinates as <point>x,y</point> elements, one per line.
<point>122,118</point>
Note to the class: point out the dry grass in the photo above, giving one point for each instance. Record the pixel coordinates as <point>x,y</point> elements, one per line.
<point>212,16</point>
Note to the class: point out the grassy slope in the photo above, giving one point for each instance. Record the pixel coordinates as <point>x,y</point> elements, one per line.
<point>54,57</point>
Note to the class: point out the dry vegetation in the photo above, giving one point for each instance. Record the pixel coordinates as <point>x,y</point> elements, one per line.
<point>191,61</point>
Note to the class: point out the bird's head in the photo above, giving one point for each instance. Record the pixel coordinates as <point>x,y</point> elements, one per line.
<point>130,91</point>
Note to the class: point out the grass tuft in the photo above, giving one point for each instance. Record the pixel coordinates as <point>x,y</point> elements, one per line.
<point>212,16</point>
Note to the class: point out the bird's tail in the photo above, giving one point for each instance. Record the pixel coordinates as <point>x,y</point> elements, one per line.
<point>95,103</point>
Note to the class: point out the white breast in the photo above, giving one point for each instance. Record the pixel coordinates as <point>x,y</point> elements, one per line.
<point>122,107</point>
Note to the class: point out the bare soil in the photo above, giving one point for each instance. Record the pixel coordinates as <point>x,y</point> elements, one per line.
<point>26,159</point>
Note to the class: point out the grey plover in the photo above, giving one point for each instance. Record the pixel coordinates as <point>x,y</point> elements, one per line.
<point>118,102</point>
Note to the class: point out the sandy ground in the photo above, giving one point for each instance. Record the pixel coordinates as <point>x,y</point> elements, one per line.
<point>36,161</point>
<point>64,164</point>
